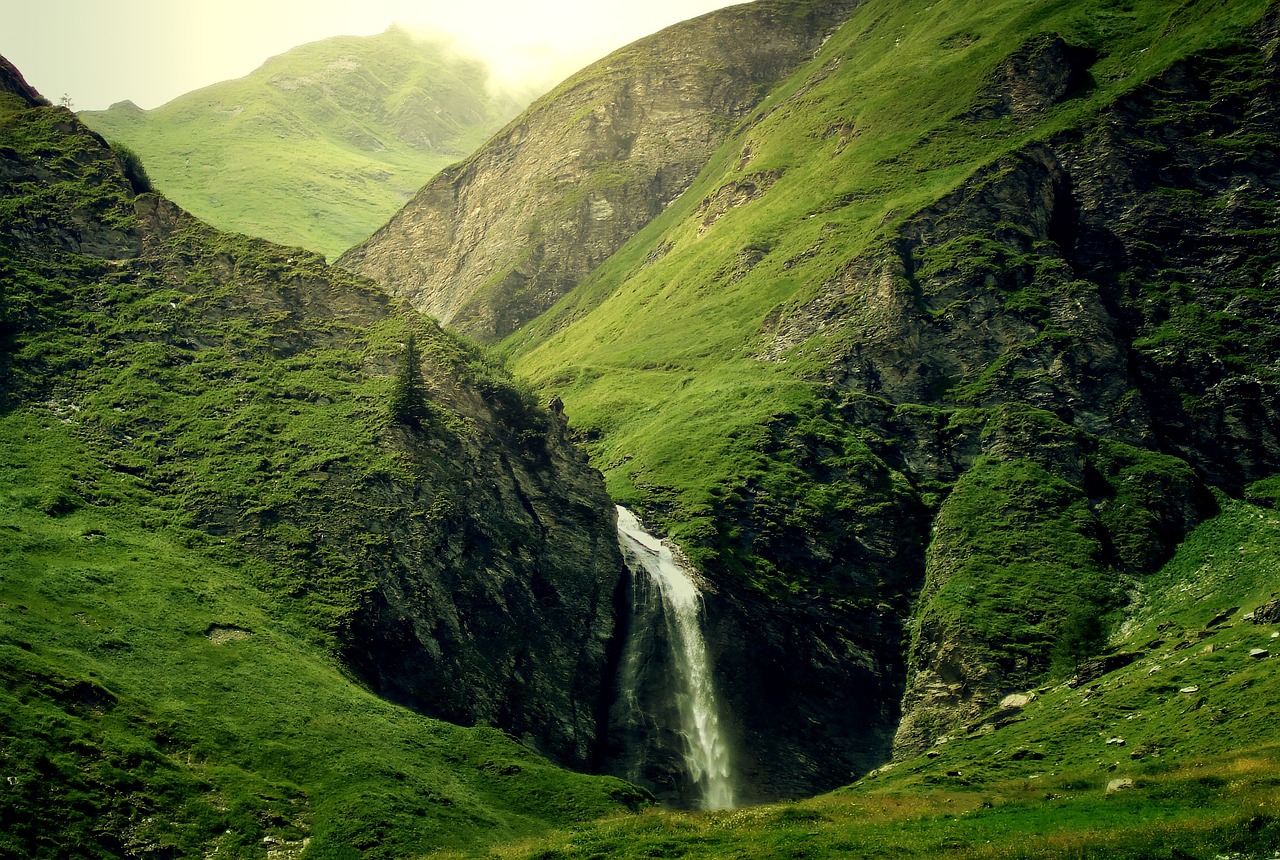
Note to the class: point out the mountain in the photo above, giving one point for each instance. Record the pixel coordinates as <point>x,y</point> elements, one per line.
<point>951,342</point>
<point>953,369</point>
<point>241,588</point>
<point>321,144</point>
<point>489,244</point>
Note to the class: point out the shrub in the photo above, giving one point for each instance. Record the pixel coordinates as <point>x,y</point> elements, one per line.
<point>134,171</point>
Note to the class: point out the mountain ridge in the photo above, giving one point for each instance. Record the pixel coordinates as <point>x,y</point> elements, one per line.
<point>318,145</point>
<point>587,166</point>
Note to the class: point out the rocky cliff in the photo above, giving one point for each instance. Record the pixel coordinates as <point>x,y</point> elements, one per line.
<point>1118,278</point>
<point>489,244</point>
<point>941,355</point>
<point>462,563</point>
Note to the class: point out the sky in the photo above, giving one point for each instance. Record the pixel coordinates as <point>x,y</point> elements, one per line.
<point>98,52</point>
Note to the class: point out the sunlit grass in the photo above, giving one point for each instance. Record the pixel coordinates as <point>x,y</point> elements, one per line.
<point>320,146</point>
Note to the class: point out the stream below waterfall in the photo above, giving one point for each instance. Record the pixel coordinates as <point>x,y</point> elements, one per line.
<point>667,696</point>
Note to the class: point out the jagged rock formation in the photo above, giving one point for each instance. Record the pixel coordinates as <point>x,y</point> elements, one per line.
<point>464,564</point>
<point>488,245</point>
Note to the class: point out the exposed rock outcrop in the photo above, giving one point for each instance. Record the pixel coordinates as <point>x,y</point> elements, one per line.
<point>1085,277</point>
<point>12,81</point>
<point>488,245</point>
<point>1044,72</point>
<point>465,565</point>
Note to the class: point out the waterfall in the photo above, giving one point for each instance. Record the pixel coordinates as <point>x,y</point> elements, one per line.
<point>664,594</point>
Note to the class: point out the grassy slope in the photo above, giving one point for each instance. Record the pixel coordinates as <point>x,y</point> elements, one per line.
<point>1203,762</point>
<point>309,150</point>
<point>123,711</point>
<point>662,335</point>
<point>164,691</point>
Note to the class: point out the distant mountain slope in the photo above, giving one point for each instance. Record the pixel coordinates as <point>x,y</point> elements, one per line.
<point>236,584</point>
<point>489,245</point>
<point>320,145</point>
<point>942,353</point>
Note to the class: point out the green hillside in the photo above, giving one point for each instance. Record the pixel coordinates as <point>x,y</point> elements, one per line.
<point>956,370</point>
<point>319,145</point>
<point>675,330</point>
<point>945,350</point>
<point>207,507</point>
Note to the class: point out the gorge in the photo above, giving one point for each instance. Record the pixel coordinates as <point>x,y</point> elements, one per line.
<point>935,345</point>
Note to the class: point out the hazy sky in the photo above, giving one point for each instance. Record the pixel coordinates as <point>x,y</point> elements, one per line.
<point>99,52</point>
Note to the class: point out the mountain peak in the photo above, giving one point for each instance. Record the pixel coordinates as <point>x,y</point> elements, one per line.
<point>320,144</point>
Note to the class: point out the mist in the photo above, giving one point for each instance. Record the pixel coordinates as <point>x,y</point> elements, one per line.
<point>152,51</point>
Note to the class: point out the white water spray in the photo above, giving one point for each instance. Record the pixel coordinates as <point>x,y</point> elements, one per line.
<point>706,753</point>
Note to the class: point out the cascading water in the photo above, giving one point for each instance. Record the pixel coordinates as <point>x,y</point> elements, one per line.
<point>666,613</point>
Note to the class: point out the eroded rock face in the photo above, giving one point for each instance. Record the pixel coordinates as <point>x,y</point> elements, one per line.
<point>486,568</point>
<point>1110,278</point>
<point>464,564</point>
<point>810,701</point>
<point>488,245</point>
<point>1043,72</point>
<point>496,585</point>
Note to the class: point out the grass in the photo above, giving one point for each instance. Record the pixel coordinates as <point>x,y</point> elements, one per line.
<point>196,449</point>
<point>319,146</point>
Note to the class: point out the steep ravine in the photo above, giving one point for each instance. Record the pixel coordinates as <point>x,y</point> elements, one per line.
<point>953,438</point>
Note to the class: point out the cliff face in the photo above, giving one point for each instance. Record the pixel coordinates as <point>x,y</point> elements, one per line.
<point>488,245</point>
<point>944,351</point>
<point>463,563</point>
<point>1118,279</point>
